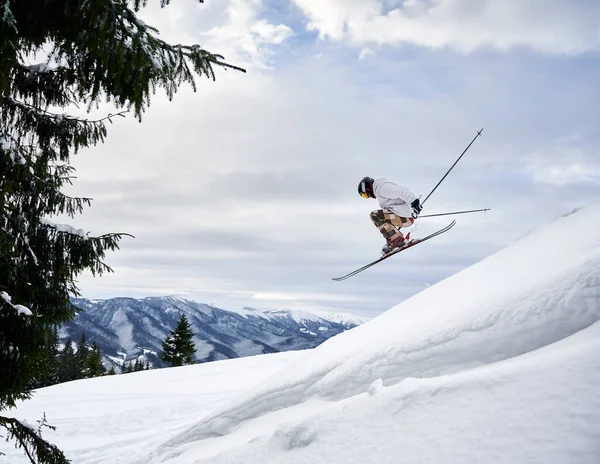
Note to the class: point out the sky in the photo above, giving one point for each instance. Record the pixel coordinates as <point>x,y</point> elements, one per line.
<point>244,192</point>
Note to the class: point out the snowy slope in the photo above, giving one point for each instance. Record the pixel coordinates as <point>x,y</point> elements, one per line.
<point>517,327</point>
<point>117,419</point>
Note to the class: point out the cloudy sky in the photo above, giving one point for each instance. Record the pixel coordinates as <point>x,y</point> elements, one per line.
<point>244,193</point>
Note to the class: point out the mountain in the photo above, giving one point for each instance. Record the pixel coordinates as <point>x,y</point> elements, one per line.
<point>127,328</point>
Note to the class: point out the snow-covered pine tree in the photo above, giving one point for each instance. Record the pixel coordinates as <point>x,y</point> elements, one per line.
<point>94,50</point>
<point>178,348</point>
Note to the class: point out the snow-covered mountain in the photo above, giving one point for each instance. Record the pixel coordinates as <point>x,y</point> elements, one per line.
<point>498,364</point>
<point>132,328</point>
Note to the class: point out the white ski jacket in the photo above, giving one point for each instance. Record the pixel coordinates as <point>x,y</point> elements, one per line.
<point>394,197</point>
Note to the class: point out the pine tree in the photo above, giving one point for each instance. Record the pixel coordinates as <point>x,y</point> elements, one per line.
<point>140,365</point>
<point>81,358</point>
<point>97,50</point>
<point>68,367</point>
<point>126,368</point>
<point>94,362</point>
<point>53,357</point>
<point>49,365</point>
<point>178,348</point>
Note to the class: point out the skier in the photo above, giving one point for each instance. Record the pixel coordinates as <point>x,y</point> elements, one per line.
<point>399,208</point>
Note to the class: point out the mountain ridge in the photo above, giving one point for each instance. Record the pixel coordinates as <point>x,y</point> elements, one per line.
<point>127,329</point>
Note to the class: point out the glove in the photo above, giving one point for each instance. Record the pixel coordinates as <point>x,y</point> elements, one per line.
<point>416,207</point>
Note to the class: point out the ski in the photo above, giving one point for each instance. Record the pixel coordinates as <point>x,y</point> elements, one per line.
<point>398,250</point>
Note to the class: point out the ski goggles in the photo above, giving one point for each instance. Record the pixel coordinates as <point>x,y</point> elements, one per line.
<point>364,194</point>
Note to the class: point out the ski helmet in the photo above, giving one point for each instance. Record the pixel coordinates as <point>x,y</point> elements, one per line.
<point>365,188</point>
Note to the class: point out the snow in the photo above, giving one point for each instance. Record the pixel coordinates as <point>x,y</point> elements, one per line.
<point>300,316</point>
<point>38,68</point>
<point>24,310</point>
<point>5,296</point>
<point>5,143</point>
<point>513,412</point>
<point>66,228</point>
<point>115,360</point>
<point>124,331</point>
<point>497,364</point>
<point>117,419</point>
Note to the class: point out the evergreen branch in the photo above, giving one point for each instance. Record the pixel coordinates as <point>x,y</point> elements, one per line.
<point>66,116</point>
<point>43,88</point>
<point>191,51</point>
<point>35,447</point>
<point>138,60</point>
<point>47,130</point>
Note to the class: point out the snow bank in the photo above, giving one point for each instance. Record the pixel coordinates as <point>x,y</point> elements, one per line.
<point>542,289</point>
<point>539,408</point>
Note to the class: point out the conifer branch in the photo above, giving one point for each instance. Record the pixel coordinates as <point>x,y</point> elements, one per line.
<point>30,440</point>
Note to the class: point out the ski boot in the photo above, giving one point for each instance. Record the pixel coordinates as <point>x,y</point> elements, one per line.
<point>398,242</point>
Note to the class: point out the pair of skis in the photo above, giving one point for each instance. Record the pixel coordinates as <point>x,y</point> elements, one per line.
<point>410,244</point>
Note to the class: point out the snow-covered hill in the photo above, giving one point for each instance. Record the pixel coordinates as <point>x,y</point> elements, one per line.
<point>132,328</point>
<point>498,364</point>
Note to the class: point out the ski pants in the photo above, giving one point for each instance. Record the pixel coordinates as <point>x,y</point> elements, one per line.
<point>389,222</point>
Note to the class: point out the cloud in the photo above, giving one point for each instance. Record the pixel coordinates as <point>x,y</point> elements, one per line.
<point>566,163</point>
<point>364,53</point>
<point>246,35</point>
<point>235,29</point>
<point>269,33</point>
<point>560,26</point>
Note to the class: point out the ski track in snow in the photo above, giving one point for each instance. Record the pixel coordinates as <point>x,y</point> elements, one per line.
<point>529,295</point>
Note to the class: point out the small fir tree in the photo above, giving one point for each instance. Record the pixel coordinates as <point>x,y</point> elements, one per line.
<point>68,367</point>
<point>137,366</point>
<point>81,358</point>
<point>178,348</point>
<point>94,362</point>
<point>126,368</point>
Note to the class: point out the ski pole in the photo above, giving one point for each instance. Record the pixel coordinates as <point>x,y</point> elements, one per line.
<point>448,172</point>
<point>455,212</point>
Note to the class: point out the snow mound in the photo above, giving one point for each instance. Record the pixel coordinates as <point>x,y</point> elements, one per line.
<point>502,315</point>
